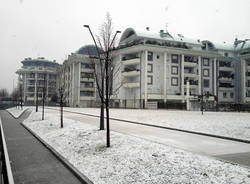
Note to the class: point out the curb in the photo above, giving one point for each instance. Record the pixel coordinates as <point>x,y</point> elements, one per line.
<point>19,115</point>
<point>163,127</point>
<point>64,161</point>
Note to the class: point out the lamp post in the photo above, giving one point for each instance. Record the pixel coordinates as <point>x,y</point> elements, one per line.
<point>107,88</point>
<point>102,81</point>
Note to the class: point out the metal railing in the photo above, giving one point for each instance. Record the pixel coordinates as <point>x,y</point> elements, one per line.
<point>6,172</point>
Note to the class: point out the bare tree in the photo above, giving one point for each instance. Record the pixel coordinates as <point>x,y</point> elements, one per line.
<point>62,93</point>
<point>106,42</point>
<point>14,96</point>
<point>44,93</point>
<point>4,92</point>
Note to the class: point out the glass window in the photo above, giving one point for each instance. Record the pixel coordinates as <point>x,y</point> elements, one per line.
<point>174,70</point>
<point>86,93</point>
<point>206,83</point>
<point>224,95</point>
<point>205,61</point>
<point>150,68</point>
<point>174,58</point>
<point>174,81</point>
<point>231,95</point>
<point>150,80</point>
<point>150,56</point>
<point>206,72</point>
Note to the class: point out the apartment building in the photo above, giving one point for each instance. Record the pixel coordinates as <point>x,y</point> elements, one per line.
<point>156,67</point>
<point>36,74</point>
<point>77,74</point>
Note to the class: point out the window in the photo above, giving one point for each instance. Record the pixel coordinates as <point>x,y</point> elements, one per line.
<point>86,93</point>
<point>150,80</point>
<point>232,95</point>
<point>248,83</point>
<point>87,84</point>
<point>158,57</point>
<point>224,95</point>
<point>226,54</point>
<point>206,72</point>
<point>174,58</point>
<point>174,70</point>
<point>205,61</point>
<point>150,68</point>
<point>174,81</point>
<point>206,83</point>
<point>150,56</point>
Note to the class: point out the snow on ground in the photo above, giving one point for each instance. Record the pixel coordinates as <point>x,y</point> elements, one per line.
<point>229,124</point>
<point>130,159</point>
<point>16,112</point>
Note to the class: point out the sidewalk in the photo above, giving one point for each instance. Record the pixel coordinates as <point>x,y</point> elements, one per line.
<point>31,162</point>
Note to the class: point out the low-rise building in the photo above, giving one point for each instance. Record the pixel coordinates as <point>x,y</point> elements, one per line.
<point>35,76</point>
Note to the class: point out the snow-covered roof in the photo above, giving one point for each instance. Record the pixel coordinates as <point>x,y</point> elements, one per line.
<point>161,35</point>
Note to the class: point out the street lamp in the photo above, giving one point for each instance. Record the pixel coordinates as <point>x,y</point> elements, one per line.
<point>102,80</point>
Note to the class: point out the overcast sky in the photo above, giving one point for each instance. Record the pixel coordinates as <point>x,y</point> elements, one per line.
<point>53,28</point>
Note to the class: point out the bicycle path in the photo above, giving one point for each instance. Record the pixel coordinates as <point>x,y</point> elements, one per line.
<point>32,162</point>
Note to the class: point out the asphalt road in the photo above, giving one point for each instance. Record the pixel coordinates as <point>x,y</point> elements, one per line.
<point>31,162</point>
<point>231,151</point>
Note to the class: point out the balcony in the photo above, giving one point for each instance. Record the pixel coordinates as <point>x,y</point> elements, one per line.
<point>226,68</point>
<point>131,73</point>
<point>226,88</point>
<point>87,79</point>
<point>191,86</point>
<point>133,61</point>
<point>87,70</point>
<point>190,64</point>
<point>131,85</point>
<point>248,77</point>
<point>87,88</point>
<point>248,67</point>
<point>190,75</point>
<point>225,79</point>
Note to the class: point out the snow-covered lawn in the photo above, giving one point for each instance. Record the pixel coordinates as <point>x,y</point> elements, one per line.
<point>16,112</point>
<point>130,159</point>
<point>229,124</point>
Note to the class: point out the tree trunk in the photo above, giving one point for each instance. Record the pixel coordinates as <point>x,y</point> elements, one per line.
<point>102,117</point>
<point>61,104</point>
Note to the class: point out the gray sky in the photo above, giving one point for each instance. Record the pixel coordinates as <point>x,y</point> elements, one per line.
<point>53,28</point>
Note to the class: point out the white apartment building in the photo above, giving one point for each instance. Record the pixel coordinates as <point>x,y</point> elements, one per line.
<point>77,74</point>
<point>155,68</point>
<point>36,74</point>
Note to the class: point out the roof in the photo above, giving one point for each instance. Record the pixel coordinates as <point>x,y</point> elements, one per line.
<point>87,50</point>
<point>39,62</point>
<point>131,33</point>
<point>161,35</point>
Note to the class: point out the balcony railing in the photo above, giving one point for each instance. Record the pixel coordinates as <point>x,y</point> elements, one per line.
<point>131,85</point>
<point>132,61</point>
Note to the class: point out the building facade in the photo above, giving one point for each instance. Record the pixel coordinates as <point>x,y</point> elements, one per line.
<point>34,76</point>
<point>78,77</point>
<point>156,68</point>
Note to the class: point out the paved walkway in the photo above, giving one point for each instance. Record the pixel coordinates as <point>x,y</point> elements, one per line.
<point>31,162</point>
<point>231,151</point>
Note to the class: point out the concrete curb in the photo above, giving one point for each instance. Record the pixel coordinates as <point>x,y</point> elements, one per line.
<point>65,162</point>
<point>19,115</point>
<point>163,127</point>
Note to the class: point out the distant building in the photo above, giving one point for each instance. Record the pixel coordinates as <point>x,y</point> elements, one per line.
<point>78,76</point>
<point>36,74</point>
<point>155,68</point>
